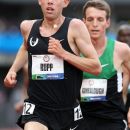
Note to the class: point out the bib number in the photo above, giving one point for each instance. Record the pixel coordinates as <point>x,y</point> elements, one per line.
<point>77,113</point>
<point>93,90</point>
<point>28,108</point>
<point>47,67</point>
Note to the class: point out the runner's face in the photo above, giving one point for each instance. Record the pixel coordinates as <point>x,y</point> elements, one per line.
<point>52,8</point>
<point>96,22</point>
<point>124,36</point>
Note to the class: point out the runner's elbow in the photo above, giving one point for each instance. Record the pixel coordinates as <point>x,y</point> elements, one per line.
<point>97,69</point>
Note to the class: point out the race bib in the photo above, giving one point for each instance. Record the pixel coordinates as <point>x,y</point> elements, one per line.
<point>45,67</point>
<point>93,90</point>
<point>77,113</point>
<point>28,108</point>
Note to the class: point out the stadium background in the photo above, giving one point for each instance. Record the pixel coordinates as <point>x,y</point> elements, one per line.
<point>12,12</point>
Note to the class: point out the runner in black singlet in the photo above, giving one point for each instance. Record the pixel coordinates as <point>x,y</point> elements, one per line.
<point>53,45</point>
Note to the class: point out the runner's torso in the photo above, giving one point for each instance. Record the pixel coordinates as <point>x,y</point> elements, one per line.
<point>53,82</point>
<point>102,95</point>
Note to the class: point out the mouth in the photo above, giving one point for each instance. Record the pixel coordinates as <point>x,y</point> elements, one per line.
<point>94,31</point>
<point>49,9</point>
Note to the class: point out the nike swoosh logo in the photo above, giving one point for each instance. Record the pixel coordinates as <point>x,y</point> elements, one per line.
<point>74,128</point>
<point>61,40</point>
<point>104,65</point>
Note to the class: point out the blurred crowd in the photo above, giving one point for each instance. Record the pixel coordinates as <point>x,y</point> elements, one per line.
<point>9,97</point>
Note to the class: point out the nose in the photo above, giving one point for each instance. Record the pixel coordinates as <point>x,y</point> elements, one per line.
<point>95,23</point>
<point>50,1</point>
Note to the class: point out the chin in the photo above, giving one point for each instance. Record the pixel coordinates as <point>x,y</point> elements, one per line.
<point>94,37</point>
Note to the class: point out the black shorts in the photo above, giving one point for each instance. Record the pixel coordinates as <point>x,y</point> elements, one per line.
<point>52,118</point>
<point>94,123</point>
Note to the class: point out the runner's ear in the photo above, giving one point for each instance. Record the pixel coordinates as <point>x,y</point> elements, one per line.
<point>66,3</point>
<point>39,2</point>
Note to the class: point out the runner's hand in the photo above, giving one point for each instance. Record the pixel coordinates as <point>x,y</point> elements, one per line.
<point>10,79</point>
<point>55,47</point>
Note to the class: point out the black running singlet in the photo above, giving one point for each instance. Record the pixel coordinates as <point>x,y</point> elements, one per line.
<point>53,82</point>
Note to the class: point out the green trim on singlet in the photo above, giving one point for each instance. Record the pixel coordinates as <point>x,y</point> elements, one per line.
<point>106,59</point>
